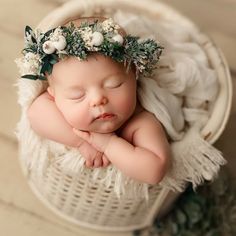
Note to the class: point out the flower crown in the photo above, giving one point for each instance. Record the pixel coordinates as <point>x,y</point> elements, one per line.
<point>43,50</point>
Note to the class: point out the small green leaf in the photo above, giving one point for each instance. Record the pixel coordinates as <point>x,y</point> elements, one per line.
<point>41,77</point>
<point>45,67</point>
<point>50,67</point>
<point>180,216</point>
<point>28,30</point>
<point>53,59</point>
<point>32,77</point>
<point>46,35</point>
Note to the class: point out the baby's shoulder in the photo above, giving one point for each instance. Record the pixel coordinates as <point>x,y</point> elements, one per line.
<point>139,122</point>
<point>45,96</point>
<point>144,119</point>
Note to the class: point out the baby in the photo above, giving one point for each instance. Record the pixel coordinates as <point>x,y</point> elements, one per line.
<point>92,104</point>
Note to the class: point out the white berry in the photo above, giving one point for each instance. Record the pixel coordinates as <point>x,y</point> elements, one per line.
<point>48,47</point>
<point>97,39</point>
<point>118,38</point>
<point>60,44</point>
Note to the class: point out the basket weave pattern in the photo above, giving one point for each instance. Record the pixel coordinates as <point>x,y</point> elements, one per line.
<point>74,195</point>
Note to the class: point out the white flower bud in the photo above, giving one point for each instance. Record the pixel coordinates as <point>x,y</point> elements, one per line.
<point>97,39</point>
<point>118,38</point>
<point>29,56</point>
<point>60,44</point>
<point>48,47</point>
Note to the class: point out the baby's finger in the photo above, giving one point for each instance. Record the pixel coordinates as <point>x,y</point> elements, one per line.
<point>97,162</point>
<point>89,163</point>
<point>105,161</point>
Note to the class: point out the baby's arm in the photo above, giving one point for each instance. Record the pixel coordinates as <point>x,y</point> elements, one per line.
<point>48,122</point>
<point>146,159</point>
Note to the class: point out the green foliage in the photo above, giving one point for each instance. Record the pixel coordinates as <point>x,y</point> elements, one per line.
<point>144,54</point>
<point>34,77</point>
<point>48,62</point>
<point>75,44</point>
<point>211,211</point>
<point>113,50</point>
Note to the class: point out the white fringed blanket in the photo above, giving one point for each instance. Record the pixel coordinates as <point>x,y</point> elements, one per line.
<point>180,94</point>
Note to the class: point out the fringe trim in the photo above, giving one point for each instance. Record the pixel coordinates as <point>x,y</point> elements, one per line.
<point>194,160</point>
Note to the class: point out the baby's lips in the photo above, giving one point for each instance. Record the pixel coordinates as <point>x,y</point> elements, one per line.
<point>105,115</point>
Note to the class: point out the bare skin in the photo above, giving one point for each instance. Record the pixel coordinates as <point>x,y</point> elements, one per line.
<point>94,108</point>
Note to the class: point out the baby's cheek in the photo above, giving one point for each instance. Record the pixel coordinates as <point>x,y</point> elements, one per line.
<point>78,119</point>
<point>127,105</point>
<point>76,114</point>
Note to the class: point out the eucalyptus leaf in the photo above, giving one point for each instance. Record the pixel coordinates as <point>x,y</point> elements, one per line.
<point>50,67</point>
<point>45,67</point>
<point>45,36</point>
<point>32,77</point>
<point>193,211</point>
<point>41,77</point>
<point>180,216</point>
<point>29,31</point>
<point>174,227</point>
<point>53,60</point>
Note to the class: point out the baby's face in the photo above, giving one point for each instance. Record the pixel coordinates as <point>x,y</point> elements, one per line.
<point>95,95</point>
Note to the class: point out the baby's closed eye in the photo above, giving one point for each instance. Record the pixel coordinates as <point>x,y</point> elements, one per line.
<point>76,95</point>
<point>113,83</point>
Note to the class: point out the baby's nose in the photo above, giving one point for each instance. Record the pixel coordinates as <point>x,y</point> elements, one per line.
<point>98,100</point>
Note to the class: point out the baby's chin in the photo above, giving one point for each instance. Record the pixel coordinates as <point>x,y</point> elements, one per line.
<point>105,128</point>
<point>101,130</point>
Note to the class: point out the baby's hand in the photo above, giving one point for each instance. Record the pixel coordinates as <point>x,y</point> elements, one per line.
<point>97,140</point>
<point>93,158</point>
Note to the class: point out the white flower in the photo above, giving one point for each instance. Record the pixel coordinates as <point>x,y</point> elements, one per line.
<point>118,38</point>
<point>86,34</point>
<point>141,68</point>
<point>48,47</point>
<point>29,64</point>
<point>109,25</point>
<point>60,44</point>
<point>97,39</point>
<point>58,32</point>
<point>90,39</point>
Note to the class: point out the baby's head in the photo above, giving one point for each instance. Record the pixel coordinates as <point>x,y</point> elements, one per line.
<point>90,64</point>
<point>97,94</point>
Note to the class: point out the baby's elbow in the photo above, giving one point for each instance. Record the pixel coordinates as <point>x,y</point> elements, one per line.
<point>33,117</point>
<point>156,178</point>
<point>159,171</point>
<point>31,114</point>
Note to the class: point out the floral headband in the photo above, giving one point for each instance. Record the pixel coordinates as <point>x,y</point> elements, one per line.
<point>43,50</point>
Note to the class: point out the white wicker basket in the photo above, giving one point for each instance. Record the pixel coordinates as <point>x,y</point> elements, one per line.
<point>90,204</point>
